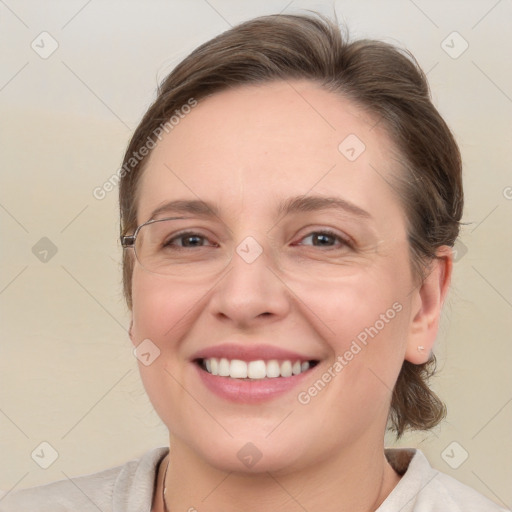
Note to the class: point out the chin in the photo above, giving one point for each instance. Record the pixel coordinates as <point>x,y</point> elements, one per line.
<point>252,455</point>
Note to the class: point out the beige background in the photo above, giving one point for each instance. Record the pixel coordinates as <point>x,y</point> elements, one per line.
<point>67,373</point>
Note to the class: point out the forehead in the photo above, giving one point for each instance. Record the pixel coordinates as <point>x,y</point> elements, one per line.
<point>271,140</point>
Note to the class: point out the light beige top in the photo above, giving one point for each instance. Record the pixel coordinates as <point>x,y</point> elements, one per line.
<point>130,487</point>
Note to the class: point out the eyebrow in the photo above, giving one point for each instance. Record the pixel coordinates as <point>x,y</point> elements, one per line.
<point>298,204</point>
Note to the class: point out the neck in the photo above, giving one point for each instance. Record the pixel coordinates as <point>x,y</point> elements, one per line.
<point>357,480</point>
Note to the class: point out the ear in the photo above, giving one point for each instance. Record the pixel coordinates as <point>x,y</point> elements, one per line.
<point>427,306</point>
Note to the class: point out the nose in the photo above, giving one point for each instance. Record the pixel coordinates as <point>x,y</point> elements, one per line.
<point>250,290</point>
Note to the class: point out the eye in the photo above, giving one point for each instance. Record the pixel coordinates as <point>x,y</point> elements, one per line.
<point>190,239</point>
<point>322,238</point>
<point>327,238</point>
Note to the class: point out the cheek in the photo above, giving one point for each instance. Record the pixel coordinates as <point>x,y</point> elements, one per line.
<point>368,318</point>
<point>359,301</point>
<point>161,306</point>
<point>162,311</point>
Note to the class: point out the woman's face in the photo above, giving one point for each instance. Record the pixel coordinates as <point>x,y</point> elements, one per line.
<point>345,299</point>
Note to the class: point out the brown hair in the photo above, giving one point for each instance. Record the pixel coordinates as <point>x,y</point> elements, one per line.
<point>385,81</point>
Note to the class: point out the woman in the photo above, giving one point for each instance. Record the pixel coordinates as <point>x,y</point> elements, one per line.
<point>288,208</point>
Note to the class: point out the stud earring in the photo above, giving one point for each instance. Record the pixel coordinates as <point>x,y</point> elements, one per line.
<point>421,348</point>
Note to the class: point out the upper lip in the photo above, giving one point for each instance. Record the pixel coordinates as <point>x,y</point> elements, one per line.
<point>250,353</point>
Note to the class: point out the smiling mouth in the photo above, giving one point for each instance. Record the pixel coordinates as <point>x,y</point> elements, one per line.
<point>254,370</point>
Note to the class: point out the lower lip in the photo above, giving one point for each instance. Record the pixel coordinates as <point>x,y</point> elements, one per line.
<point>250,391</point>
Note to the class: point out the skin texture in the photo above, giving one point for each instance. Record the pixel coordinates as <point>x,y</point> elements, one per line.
<point>246,150</point>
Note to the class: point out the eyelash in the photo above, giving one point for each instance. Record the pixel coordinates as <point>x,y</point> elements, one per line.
<point>345,242</point>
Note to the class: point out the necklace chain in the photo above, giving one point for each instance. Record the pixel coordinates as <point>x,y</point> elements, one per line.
<point>164,486</point>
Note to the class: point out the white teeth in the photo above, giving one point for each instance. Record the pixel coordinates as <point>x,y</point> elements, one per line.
<point>256,370</point>
<point>224,367</point>
<point>273,369</point>
<point>237,369</point>
<point>286,369</point>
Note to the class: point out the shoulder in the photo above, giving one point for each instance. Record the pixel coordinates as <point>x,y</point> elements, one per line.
<point>425,489</point>
<point>86,492</point>
<point>462,497</point>
<point>108,490</point>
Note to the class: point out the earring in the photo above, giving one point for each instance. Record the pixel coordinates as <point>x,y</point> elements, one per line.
<point>421,348</point>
